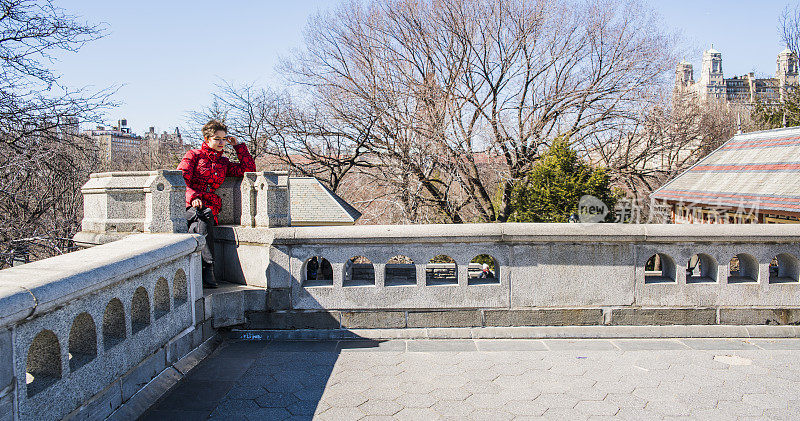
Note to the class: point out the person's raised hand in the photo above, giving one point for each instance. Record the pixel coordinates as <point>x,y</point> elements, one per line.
<point>232,140</point>
<point>197,203</point>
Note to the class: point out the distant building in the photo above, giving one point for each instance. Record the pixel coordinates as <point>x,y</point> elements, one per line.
<point>753,177</point>
<point>117,144</point>
<point>165,143</point>
<point>744,89</point>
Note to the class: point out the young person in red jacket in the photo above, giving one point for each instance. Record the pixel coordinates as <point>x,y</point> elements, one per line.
<point>204,170</point>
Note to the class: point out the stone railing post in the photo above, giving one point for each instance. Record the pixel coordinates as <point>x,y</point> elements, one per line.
<point>248,193</point>
<point>271,199</point>
<point>165,202</point>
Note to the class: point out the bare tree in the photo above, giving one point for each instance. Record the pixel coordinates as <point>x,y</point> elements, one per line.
<point>789,27</point>
<point>436,89</point>
<point>666,140</point>
<point>43,162</point>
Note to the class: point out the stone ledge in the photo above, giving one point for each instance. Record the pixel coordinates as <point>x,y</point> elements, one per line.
<point>373,319</point>
<point>663,316</point>
<point>446,318</point>
<point>554,317</point>
<point>542,332</point>
<point>756,316</point>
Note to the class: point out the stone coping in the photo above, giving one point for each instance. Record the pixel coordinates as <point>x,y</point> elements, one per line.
<point>514,233</point>
<point>525,332</point>
<point>42,286</point>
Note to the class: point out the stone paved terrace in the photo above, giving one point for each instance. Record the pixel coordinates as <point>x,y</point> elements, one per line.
<point>494,379</point>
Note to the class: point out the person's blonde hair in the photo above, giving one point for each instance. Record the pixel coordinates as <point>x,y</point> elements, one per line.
<point>212,126</point>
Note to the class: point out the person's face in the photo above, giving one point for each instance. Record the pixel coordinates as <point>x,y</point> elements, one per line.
<point>217,142</point>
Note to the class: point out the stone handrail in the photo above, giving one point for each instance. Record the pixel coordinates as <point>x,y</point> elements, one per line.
<point>630,274</point>
<point>81,333</point>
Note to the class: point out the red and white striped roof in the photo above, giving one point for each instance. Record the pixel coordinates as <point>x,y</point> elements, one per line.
<point>758,170</point>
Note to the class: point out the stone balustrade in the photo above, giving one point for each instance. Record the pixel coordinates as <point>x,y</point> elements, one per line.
<point>104,331</point>
<point>118,204</point>
<point>81,334</point>
<point>544,274</point>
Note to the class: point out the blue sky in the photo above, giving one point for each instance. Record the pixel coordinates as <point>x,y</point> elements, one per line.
<point>159,51</point>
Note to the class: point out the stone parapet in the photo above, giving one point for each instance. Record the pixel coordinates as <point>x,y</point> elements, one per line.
<point>82,333</point>
<point>116,204</point>
<point>536,266</point>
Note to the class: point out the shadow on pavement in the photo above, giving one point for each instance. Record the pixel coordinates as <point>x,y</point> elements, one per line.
<point>256,380</point>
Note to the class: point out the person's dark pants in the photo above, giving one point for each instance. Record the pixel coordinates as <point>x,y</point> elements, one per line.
<point>201,221</point>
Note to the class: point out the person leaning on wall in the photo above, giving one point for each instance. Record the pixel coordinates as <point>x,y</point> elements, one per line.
<point>204,170</point>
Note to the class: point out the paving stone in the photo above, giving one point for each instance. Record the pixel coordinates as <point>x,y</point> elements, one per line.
<point>647,344</point>
<point>575,379</point>
<point>766,400</point>
<point>579,345</point>
<point>380,407</point>
<point>718,344</point>
<point>596,408</point>
<point>490,345</point>
<point>524,407</point>
<point>275,400</point>
<point>443,345</point>
<point>784,344</point>
<point>416,400</point>
<point>341,414</point>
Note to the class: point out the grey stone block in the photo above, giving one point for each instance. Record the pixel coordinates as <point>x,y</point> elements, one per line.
<point>279,299</point>
<point>451,318</point>
<point>147,396</point>
<point>556,317</point>
<point>180,346</point>
<point>197,336</point>
<point>190,360</point>
<point>294,320</point>
<point>143,373</point>
<point>6,359</point>
<point>663,316</point>
<point>227,308</point>
<point>7,407</point>
<point>255,299</point>
<point>764,331</point>
<point>754,316</point>
<point>100,406</point>
<point>373,319</point>
<point>199,311</point>
<point>208,330</point>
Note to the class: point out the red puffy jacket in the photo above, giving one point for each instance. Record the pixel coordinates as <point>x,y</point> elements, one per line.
<point>205,169</point>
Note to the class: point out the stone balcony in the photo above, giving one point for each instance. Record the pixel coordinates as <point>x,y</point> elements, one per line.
<point>103,332</point>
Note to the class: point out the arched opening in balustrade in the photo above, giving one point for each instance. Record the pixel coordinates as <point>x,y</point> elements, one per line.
<point>82,341</point>
<point>400,271</point>
<point>161,298</point>
<point>43,366</point>
<point>113,324</point>
<point>317,272</point>
<point>180,288</point>
<point>659,269</point>
<point>358,271</point>
<point>441,270</point>
<point>784,269</point>
<point>701,269</point>
<point>743,268</point>
<point>140,310</point>
<point>483,269</point>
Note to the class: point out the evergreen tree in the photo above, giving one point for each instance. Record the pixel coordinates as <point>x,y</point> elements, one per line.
<point>551,190</point>
<point>770,116</point>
